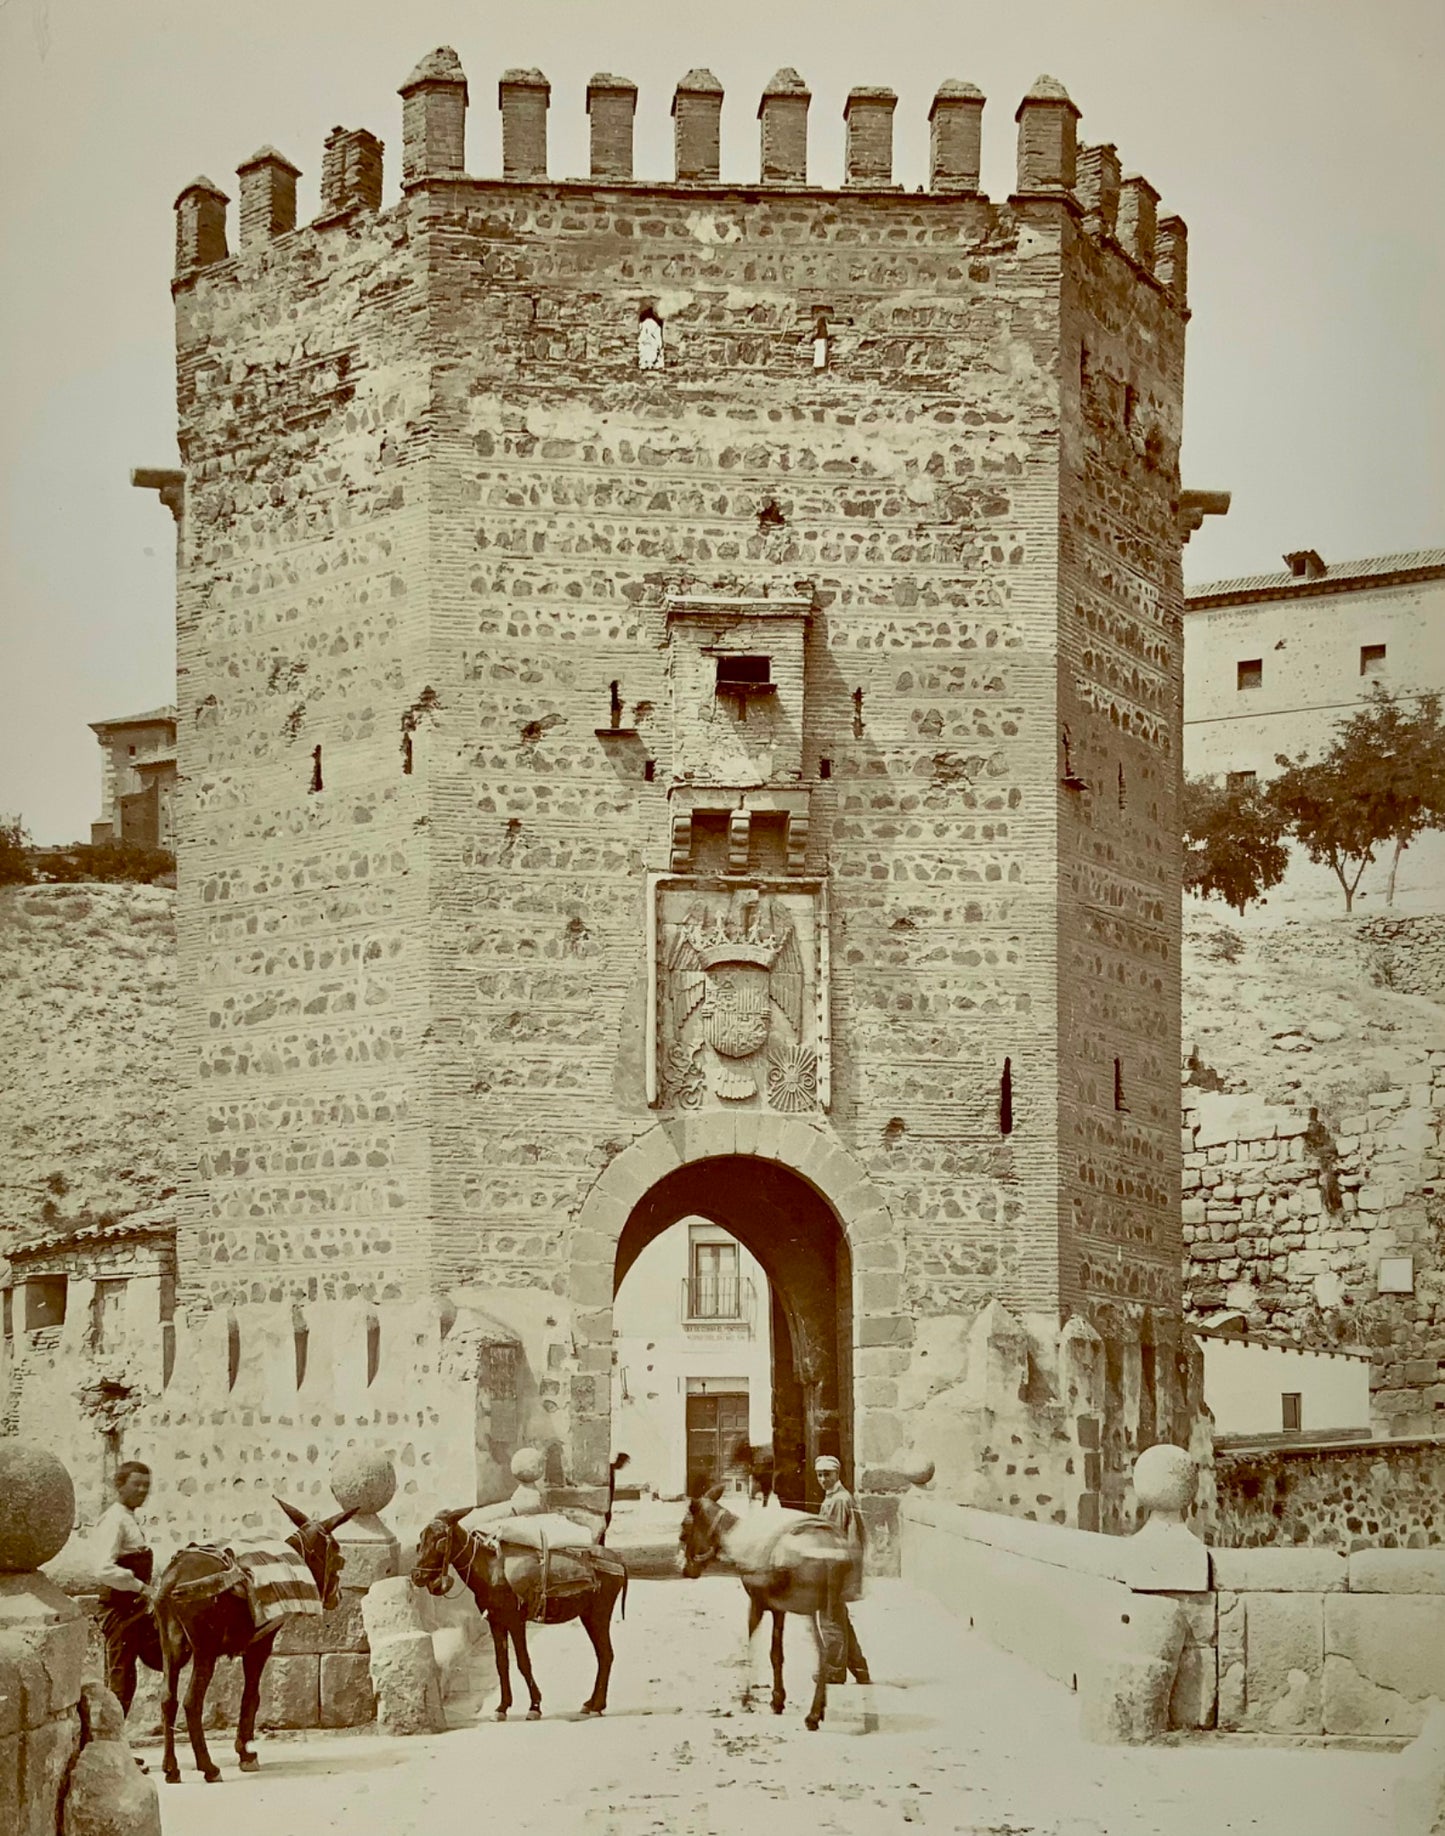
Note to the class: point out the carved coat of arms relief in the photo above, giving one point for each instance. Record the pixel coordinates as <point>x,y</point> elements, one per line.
<point>739,1011</point>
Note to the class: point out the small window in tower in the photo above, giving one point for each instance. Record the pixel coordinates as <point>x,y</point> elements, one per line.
<point>744,675</point>
<point>131,750</point>
<point>649,341</point>
<point>1249,673</point>
<point>1119,1102</point>
<point>820,344</point>
<point>1006,1099</point>
<point>1131,404</point>
<point>1240,780</point>
<point>1291,1413</point>
<point>317,782</point>
<point>1123,788</point>
<point>1372,659</point>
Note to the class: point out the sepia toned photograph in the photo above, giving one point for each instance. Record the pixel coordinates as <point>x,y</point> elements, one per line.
<point>722,919</point>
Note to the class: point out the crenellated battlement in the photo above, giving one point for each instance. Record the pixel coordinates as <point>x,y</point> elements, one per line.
<point>232,1405</point>
<point>1051,166</point>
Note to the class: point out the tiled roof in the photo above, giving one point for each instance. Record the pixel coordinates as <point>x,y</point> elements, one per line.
<point>135,720</point>
<point>1338,575</point>
<point>104,1229</point>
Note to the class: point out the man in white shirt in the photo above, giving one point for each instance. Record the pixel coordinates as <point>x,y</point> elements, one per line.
<point>840,1509</point>
<point>124,1564</point>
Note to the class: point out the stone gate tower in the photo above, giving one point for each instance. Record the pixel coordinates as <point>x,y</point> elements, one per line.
<point>680,712</point>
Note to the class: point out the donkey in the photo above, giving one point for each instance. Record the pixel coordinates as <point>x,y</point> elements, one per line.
<point>203,1614</point>
<point>788,1563</point>
<point>479,1561</point>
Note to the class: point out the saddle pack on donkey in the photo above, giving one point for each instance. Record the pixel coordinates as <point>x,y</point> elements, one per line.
<point>549,1559</point>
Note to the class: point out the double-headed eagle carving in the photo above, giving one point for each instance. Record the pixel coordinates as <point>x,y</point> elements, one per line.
<point>732,969</point>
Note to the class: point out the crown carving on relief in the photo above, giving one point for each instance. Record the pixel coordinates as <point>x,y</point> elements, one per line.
<point>721,942</point>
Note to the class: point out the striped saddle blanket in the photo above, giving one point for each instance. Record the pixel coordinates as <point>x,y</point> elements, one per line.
<point>279,1583</point>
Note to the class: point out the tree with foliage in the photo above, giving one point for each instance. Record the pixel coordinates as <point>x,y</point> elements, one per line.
<point>1396,752</point>
<point>1382,780</point>
<point>1232,845</point>
<point>15,867</point>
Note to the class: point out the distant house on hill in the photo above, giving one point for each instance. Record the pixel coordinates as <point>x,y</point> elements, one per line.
<point>138,776</point>
<point>1273,662</point>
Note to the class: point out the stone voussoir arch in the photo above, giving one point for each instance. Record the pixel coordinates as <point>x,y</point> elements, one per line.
<point>811,1152</point>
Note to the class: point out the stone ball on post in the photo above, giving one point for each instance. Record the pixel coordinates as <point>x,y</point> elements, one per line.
<point>363,1480</point>
<point>916,1469</point>
<point>1165,1481</point>
<point>528,1466</point>
<point>39,1510</point>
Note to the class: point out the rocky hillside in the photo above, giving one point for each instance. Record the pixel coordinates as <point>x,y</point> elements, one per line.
<point>87,1006</point>
<point>1311,1014</point>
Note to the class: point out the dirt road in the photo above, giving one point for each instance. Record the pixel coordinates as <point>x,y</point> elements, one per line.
<point>970,1742</point>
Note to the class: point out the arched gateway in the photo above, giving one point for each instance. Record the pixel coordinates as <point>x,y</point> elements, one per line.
<point>804,1208</point>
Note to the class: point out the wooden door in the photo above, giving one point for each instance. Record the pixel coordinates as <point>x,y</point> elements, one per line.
<point>715,1425</point>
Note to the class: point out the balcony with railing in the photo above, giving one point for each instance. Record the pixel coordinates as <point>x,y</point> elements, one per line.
<point>721,1306</point>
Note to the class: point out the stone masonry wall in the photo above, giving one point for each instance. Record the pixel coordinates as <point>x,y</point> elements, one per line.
<point>87,1011</point>
<point>1287,1218</point>
<point>233,1407</point>
<point>1380,1494</point>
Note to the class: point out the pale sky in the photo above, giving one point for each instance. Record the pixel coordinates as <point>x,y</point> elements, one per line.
<point>1302,141</point>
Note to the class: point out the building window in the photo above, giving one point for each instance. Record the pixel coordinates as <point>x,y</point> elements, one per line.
<point>44,1302</point>
<point>1372,659</point>
<point>1250,674</point>
<point>649,342</point>
<point>714,1288</point>
<point>744,673</point>
<point>9,1313</point>
<point>1291,1412</point>
<point>1240,780</point>
<point>820,344</point>
<point>106,1300</point>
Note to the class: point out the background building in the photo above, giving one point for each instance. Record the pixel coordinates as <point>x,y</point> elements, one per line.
<point>138,776</point>
<point>693,1372</point>
<point>1273,662</point>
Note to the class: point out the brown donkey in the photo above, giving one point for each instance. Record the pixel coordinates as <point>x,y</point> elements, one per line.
<point>503,1585</point>
<point>203,1613</point>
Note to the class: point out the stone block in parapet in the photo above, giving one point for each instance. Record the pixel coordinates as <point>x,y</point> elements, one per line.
<point>697,127</point>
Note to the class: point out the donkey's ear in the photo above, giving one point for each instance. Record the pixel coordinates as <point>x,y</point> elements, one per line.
<point>455,1517</point>
<point>331,1524</point>
<point>715,1493</point>
<point>299,1518</point>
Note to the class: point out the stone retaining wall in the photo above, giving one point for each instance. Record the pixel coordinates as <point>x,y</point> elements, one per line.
<point>1275,1641</point>
<point>1346,1495</point>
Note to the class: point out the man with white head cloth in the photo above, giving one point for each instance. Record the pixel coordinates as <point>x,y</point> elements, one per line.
<point>840,1509</point>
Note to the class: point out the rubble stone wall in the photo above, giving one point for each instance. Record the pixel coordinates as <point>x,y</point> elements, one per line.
<point>1287,1217</point>
<point>1351,1495</point>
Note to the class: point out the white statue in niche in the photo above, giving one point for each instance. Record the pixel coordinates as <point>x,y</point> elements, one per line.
<point>649,342</point>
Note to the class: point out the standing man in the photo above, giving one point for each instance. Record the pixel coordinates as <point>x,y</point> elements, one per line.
<point>840,1509</point>
<point>124,1564</point>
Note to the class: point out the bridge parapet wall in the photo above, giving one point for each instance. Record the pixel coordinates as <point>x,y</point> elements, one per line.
<point>1280,1642</point>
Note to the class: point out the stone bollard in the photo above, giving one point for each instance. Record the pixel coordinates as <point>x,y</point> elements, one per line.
<point>42,1642</point>
<point>1126,1686</point>
<point>1165,1556</point>
<point>106,1795</point>
<point>404,1671</point>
